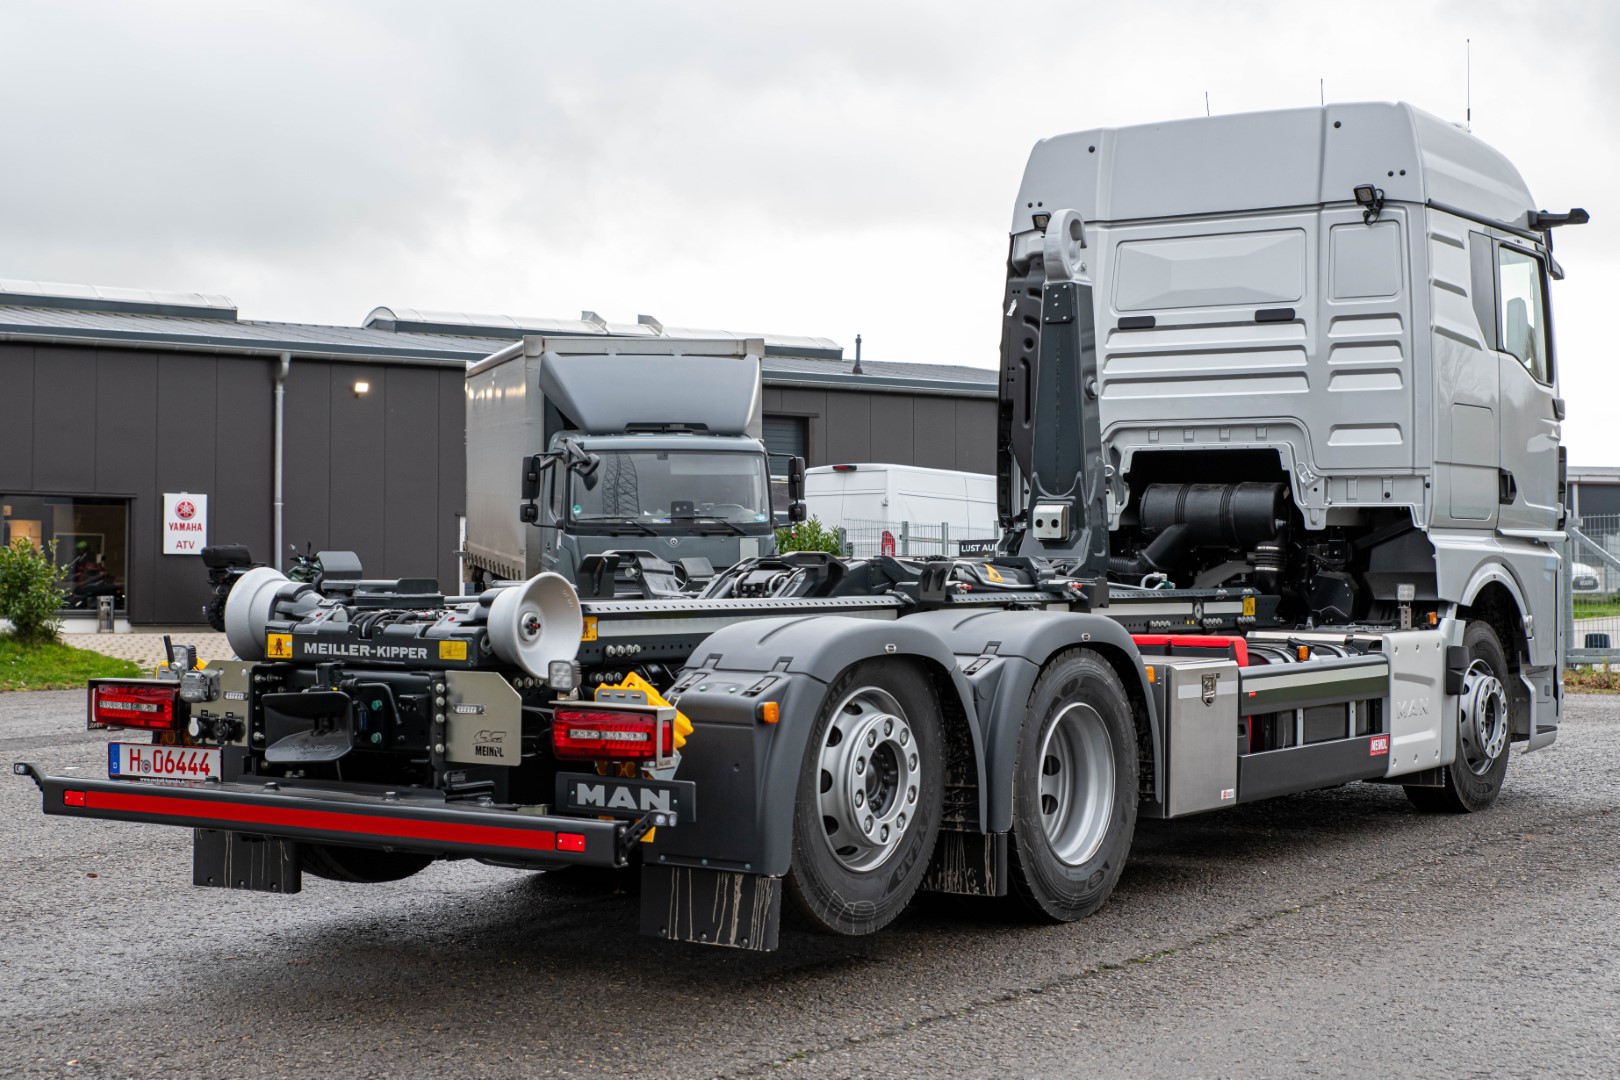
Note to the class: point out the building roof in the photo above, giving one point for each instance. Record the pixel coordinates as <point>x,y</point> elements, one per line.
<point>51,294</point>
<point>589,323</point>
<point>130,318</point>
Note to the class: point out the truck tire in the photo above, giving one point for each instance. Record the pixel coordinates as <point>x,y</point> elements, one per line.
<point>337,863</point>
<point>1074,789</point>
<point>1484,724</point>
<point>869,799</point>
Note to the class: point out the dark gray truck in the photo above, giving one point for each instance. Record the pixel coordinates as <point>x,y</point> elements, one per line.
<point>671,426</point>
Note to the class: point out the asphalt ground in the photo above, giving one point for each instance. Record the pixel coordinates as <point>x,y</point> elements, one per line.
<point>1336,933</point>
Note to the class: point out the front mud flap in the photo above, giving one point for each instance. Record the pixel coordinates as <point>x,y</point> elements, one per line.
<point>711,907</point>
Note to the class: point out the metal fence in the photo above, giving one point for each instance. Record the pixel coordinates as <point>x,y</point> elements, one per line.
<point>914,539</point>
<point>1592,562</point>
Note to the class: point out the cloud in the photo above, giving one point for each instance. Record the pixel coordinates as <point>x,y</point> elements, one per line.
<point>829,169</point>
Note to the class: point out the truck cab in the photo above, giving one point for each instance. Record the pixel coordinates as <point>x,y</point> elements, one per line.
<point>1341,316</point>
<point>681,496</point>
<point>616,444</point>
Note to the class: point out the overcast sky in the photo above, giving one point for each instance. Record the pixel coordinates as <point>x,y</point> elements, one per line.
<point>825,169</point>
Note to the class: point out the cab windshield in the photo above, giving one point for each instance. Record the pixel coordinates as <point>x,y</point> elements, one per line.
<point>661,487</point>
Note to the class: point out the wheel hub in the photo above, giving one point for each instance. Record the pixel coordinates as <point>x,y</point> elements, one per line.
<point>1484,718</point>
<point>1076,783</point>
<point>868,785</point>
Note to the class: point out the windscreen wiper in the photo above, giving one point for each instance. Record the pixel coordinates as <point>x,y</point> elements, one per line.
<point>732,525</point>
<point>632,522</point>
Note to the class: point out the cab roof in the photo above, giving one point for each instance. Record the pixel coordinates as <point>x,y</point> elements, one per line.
<point>1269,160</point>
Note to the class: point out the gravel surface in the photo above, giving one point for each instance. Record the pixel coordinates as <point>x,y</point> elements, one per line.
<point>1331,934</point>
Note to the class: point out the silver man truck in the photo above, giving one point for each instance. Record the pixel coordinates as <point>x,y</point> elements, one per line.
<point>646,443</point>
<point>1278,477</point>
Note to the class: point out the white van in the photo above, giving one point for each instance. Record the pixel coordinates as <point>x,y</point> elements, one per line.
<point>903,509</point>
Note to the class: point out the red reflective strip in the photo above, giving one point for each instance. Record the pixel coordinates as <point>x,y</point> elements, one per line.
<point>325,820</point>
<point>72,798</point>
<point>1238,647</point>
<point>570,841</point>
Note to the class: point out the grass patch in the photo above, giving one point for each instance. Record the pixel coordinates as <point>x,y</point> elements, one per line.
<point>56,666</point>
<point>1593,680</point>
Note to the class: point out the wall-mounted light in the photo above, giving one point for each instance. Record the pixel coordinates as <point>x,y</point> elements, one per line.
<point>361,388</point>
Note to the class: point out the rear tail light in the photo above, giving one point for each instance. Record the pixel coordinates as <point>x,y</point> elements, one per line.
<point>596,734</point>
<point>153,707</point>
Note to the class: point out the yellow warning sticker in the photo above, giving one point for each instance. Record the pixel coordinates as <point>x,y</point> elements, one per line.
<point>992,573</point>
<point>278,646</point>
<point>1248,605</point>
<point>452,650</point>
<point>589,631</point>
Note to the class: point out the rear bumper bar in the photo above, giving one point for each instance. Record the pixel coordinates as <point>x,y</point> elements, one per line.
<point>341,817</point>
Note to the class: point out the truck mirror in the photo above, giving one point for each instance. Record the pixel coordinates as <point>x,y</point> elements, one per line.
<point>580,461</point>
<point>795,479</point>
<point>797,511</point>
<point>533,468</point>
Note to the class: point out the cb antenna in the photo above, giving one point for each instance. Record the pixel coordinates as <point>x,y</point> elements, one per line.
<point>1206,102</point>
<point>1468,84</point>
<point>1321,91</point>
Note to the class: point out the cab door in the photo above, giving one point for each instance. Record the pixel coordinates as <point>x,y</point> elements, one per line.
<point>1530,411</point>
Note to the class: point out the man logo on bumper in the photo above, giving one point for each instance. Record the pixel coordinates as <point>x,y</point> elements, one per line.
<point>584,793</point>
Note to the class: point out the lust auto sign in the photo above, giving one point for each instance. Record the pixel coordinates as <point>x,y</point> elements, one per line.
<point>185,524</point>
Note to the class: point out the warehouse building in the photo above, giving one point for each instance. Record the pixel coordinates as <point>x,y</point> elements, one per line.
<point>137,426</point>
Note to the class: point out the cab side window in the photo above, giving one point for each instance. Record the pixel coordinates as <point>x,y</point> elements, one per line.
<point>1522,311</point>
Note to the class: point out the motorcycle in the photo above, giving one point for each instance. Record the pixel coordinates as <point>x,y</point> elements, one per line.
<point>227,563</point>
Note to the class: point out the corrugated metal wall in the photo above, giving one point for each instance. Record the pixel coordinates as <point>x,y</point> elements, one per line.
<point>381,474</point>
<point>901,429</point>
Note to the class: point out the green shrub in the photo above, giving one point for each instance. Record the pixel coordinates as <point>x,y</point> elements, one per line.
<point>30,591</point>
<point>809,535</point>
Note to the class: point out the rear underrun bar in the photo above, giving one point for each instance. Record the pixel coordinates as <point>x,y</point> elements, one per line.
<point>320,816</point>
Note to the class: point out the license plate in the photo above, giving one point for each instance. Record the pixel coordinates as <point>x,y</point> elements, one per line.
<point>144,761</point>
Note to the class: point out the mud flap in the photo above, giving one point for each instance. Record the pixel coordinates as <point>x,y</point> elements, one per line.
<point>968,864</point>
<point>711,907</point>
<point>230,860</point>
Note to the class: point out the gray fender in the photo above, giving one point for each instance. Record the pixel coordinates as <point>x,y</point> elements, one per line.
<point>1496,572</point>
<point>1023,642</point>
<point>747,771</point>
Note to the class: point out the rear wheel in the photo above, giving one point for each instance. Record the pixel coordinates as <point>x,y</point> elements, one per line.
<point>868,806</point>
<point>1484,727</point>
<point>1074,789</point>
<point>337,863</point>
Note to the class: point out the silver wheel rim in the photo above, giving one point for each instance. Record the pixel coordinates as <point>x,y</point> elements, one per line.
<point>869,779</point>
<point>1484,718</point>
<point>1076,783</point>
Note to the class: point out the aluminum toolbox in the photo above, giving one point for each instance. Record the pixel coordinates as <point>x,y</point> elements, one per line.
<point>1197,702</point>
